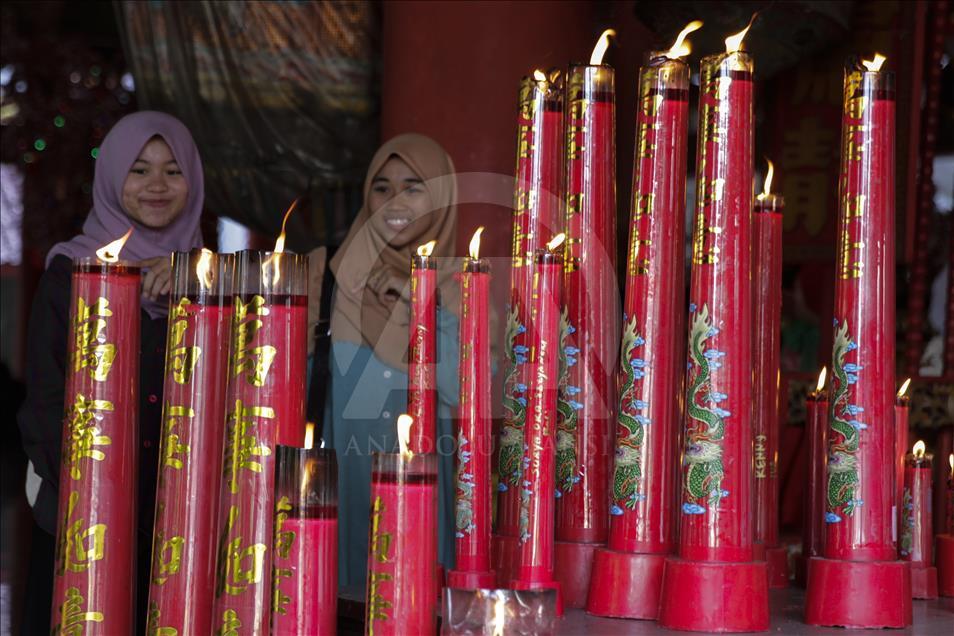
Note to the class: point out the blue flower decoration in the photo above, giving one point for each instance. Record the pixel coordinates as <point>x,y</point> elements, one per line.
<point>570,329</point>
<point>521,387</point>
<point>853,368</point>
<point>692,307</point>
<point>723,493</point>
<point>831,517</point>
<point>576,405</point>
<point>713,331</point>
<point>557,493</point>
<point>642,419</point>
<point>521,349</point>
<point>637,374</point>
<point>570,361</point>
<point>521,329</point>
<point>715,365</point>
<point>502,487</point>
<point>721,412</point>
<point>854,410</point>
<point>637,363</point>
<point>521,359</point>
<point>459,535</point>
<point>712,354</point>
<point>692,509</point>
<point>639,341</point>
<point>571,351</point>
<point>573,390</point>
<point>856,502</point>
<point>640,404</point>
<point>717,397</point>
<point>522,401</point>
<point>859,426</point>
<point>852,378</point>
<point>852,345</point>
<point>616,510</point>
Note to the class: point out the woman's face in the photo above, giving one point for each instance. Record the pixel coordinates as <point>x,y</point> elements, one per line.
<point>155,190</point>
<point>399,203</point>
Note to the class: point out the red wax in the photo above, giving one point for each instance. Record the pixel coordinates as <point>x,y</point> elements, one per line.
<point>813,521</point>
<point>537,217</point>
<point>474,438</point>
<point>589,330</point>
<point>534,567</point>
<point>285,328</point>
<point>766,351</point>
<point>861,467</point>
<point>916,531</point>
<point>402,551</point>
<point>311,584</point>
<point>716,504</point>
<point>422,357</point>
<point>184,536</point>
<point>901,411</point>
<point>95,559</point>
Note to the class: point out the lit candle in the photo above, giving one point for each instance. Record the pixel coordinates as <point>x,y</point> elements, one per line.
<point>265,407</point>
<point>813,516</point>
<point>537,207</point>
<point>193,433</point>
<point>95,557</point>
<point>916,532</point>
<point>627,574</point>
<point>766,350</point>
<point>716,529</point>
<point>422,357</point>
<point>402,552</point>
<point>534,567</point>
<point>902,408</point>
<point>861,492</point>
<point>589,326</point>
<point>473,570</point>
<point>944,557</point>
<point>305,548</point>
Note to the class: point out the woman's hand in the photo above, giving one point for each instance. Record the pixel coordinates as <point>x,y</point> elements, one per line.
<point>157,281</point>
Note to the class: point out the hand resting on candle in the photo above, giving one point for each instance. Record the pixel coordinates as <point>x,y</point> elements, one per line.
<point>157,276</point>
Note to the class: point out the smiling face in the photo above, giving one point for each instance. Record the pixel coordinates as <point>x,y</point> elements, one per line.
<point>399,203</point>
<point>155,190</point>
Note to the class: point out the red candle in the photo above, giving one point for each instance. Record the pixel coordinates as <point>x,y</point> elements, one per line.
<point>95,557</point>
<point>902,407</point>
<point>402,553</point>
<point>534,568</point>
<point>589,325</point>
<point>627,576</point>
<point>766,351</point>
<point>472,504</point>
<point>537,207</point>
<point>183,550</point>
<point>945,542</point>
<point>916,531</point>
<point>859,543</point>
<point>716,528</point>
<point>305,549</point>
<point>422,357</point>
<point>265,407</point>
<point>813,517</point>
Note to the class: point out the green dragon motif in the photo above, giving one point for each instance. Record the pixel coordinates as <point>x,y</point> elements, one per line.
<point>703,452</point>
<point>511,434</point>
<point>627,464</point>
<point>465,488</point>
<point>567,412</point>
<point>907,524</point>
<point>843,447</point>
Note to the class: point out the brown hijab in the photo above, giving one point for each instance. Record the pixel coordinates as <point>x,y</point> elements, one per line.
<point>372,297</point>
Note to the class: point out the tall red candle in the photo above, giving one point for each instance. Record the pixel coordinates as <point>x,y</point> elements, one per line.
<point>537,207</point>
<point>859,546</point>
<point>265,407</point>
<point>422,356</point>
<point>813,516</point>
<point>305,548</point>
<point>589,327</point>
<point>183,550</point>
<point>472,501</point>
<point>945,541</point>
<point>716,529</point>
<point>534,567</point>
<point>95,557</point>
<point>902,407</point>
<point>916,528</point>
<point>627,575</point>
<point>766,352</point>
<point>402,552</point>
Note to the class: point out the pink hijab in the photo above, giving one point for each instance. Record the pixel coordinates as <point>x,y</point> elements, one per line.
<point>107,221</point>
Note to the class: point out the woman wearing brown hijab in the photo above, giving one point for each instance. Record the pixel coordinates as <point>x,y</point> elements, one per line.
<point>410,196</point>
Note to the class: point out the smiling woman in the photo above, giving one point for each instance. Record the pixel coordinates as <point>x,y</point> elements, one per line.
<point>155,191</point>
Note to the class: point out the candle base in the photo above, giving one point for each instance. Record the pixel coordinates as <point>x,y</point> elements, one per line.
<point>625,584</point>
<point>466,580</point>
<point>536,586</point>
<point>714,596</point>
<point>503,557</point>
<point>858,594</point>
<point>572,564</point>
<point>944,559</point>
<point>924,583</point>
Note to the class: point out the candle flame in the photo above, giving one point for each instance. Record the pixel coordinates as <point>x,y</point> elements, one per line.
<point>279,249</point>
<point>904,387</point>
<point>404,423</point>
<point>475,243</point>
<point>767,186</point>
<point>596,58</point>
<point>733,43</point>
<point>427,249</point>
<point>919,448</point>
<point>681,48</point>
<point>109,253</point>
<point>874,65</point>
<point>821,379</point>
<point>499,614</point>
<point>950,460</point>
<point>556,242</point>
<point>309,435</point>
<point>539,75</point>
<point>203,269</point>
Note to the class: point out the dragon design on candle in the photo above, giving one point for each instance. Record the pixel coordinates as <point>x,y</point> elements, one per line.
<point>907,524</point>
<point>842,463</point>
<point>465,489</point>
<point>703,458</point>
<point>627,467</point>
<point>515,406</point>
<point>567,411</point>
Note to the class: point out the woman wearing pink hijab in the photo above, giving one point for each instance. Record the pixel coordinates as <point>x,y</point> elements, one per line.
<point>148,177</point>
